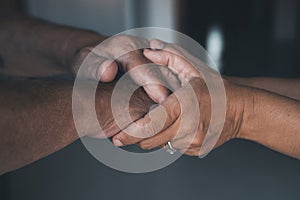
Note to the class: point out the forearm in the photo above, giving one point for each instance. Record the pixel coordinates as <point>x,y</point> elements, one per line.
<point>27,42</point>
<point>286,87</point>
<point>273,121</point>
<point>36,120</point>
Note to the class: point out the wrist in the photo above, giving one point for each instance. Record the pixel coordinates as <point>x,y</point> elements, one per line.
<point>248,103</point>
<point>239,103</point>
<point>74,46</point>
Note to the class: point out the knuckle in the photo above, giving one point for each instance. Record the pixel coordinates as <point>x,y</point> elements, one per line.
<point>193,152</point>
<point>145,145</point>
<point>197,141</point>
<point>154,72</point>
<point>198,153</point>
<point>126,139</point>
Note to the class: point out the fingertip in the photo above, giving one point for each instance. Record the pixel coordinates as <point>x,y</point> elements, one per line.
<point>148,53</point>
<point>117,140</point>
<point>156,57</point>
<point>108,71</point>
<point>161,98</point>
<point>118,143</point>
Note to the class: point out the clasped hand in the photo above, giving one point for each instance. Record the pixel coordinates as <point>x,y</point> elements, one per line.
<point>187,118</point>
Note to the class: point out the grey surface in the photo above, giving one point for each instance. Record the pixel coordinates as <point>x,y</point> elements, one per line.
<point>237,170</point>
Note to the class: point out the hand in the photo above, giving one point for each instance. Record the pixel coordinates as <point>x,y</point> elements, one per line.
<point>125,51</point>
<point>180,127</point>
<point>138,106</point>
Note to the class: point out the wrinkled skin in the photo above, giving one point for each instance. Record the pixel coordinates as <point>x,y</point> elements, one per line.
<point>183,127</point>
<point>41,120</point>
<point>121,52</point>
<point>139,105</point>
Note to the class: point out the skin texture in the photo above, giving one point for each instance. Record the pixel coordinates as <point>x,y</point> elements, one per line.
<point>46,49</point>
<point>40,121</point>
<point>42,48</point>
<point>36,116</point>
<point>284,87</point>
<point>253,114</point>
<point>127,52</point>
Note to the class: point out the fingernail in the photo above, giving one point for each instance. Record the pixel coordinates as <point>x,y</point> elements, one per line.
<point>118,143</point>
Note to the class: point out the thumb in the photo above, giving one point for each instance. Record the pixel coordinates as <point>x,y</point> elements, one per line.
<point>108,71</point>
<point>97,68</point>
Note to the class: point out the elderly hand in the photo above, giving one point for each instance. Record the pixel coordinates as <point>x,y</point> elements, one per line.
<point>124,51</point>
<point>181,126</point>
<point>139,105</point>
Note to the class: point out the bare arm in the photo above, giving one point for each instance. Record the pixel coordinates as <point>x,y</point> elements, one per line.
<point>271,120</point>
<point>286,87</point>
<point>36,118</point>
<point>32,47</point>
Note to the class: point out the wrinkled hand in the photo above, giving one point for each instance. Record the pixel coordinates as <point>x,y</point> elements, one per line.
<point>181,127</point>
<point>139,105</point>
<point>126,52</point>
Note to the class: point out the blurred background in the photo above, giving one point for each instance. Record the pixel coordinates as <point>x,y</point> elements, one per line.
<point>245,38</point>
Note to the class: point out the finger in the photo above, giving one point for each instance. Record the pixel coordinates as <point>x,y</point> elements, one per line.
<point>157,44</point>
<point>145,74</point>
<point>177,64</point>
<point>123,139</point>
<point>158,119</point>
<point>157,92</point>
<point>182,143</point>
<point>161,138</point>
<point>178,50</point>
<point>96,67</point>
<point>170,78</point>
<point>108,71</point>
<point>171,134</point>
<point>191,151</point>
<point>150,77</point>
<point>181,52</point>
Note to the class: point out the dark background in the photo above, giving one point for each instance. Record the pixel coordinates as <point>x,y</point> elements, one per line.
<point>261,39</point>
